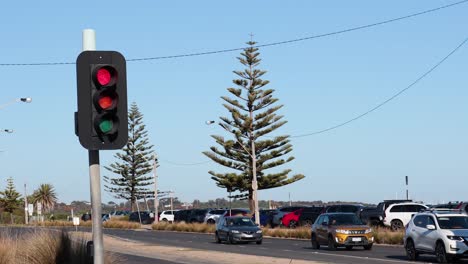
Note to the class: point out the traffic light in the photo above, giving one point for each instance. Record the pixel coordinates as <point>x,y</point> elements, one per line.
<point>101,121</point>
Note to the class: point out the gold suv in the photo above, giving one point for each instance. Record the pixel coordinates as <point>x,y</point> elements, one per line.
<point>341,229</point>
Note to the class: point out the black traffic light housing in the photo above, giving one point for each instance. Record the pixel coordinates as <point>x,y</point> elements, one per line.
<point>101,121</point>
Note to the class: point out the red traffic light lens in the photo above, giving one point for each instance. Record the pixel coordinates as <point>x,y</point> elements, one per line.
<point>103,76</point>
<point>105,102</point>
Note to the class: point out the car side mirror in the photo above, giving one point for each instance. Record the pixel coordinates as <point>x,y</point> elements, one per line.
<point>431,227</point>
<point>324,223</point>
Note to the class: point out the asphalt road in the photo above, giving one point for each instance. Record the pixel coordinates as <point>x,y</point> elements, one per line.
<point>271,247</point>
<point>284,248</point>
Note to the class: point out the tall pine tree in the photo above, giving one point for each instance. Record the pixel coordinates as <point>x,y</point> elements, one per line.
<point>10,198</point>
<point>135,162</point>
<point>252,117</point>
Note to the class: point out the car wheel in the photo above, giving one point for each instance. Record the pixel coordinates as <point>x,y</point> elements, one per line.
<point>396,225</point>
<point>368,247</point>
<point>210,221</point>
<point>349,247</point>
<point>331,243</point>
<point>164,220</point>
<point>411,250</point>
<point>441,255</point>
<point>315,244</point>
<point>259,242</point>
<point>217,238</point>
<point>292,224</point>
<point>231,239</point>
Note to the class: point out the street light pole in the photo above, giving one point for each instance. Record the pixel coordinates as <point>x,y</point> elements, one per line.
<point>24,100</point>
<point>156,198</point>
<point>254,170</point>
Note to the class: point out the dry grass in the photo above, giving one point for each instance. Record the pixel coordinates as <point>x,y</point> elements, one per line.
<point>117,223</point>
<point>46,247</point>
<point>62,223</point>
<point>301,232</point>
<point>384,235</point>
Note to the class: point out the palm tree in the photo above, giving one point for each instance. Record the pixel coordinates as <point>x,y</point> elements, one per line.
<point>46,196</point>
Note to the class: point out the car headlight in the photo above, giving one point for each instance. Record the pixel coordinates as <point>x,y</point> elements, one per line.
<point>259,231</point>
<point>369,230</point>
<point>235,231</point>
<point>342,231</point>
<point>457,238</point>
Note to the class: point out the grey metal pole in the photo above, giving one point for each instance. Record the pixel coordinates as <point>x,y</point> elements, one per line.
<point>89,43</point>
<point>96,210</point>
<point>25,205</point>
<point>254,184</point>
<point>156,198</point>
<point>407,194</point>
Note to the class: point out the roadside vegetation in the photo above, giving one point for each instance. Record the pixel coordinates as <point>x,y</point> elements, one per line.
<point>46,247</point>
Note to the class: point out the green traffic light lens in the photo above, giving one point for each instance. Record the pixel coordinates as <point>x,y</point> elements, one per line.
<point>106,126</point>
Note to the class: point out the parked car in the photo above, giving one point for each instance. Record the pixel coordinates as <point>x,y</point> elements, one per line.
<point>443,234</point>
<point>86,217</point>
<point>280,212</point>
<point>309,215</point>
<point>397,215</point>
<point>212,216</point>
<point>181,215</point>
<point>167,216</point>
<point>375,215</point>
<point>341,230</point>
<point>291,219</point>
<point>105,217</point>
<point>344,208</point>
<point>266,216</point>
<point>146,217</point>
<point>197,215</point>
<point>236,211</point>
<point>462,207</point>
<point>235,229</point>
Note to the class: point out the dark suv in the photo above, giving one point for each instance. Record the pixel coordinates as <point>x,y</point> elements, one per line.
<point>197,215</point>
<point>344,208</point>
<point>309,215</point>
<point>146,217</point>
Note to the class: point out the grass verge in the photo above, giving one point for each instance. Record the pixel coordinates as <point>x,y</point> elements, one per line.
<point>46,247</point>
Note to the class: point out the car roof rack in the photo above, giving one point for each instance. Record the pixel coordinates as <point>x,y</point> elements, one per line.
<point>442,210</point>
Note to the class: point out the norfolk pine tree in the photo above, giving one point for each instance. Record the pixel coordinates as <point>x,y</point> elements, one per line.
<point>252,117</point>
<point>9,198</point>
<point>135,163</point>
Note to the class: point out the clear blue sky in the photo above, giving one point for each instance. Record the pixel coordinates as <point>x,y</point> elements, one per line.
<point>321,82</point>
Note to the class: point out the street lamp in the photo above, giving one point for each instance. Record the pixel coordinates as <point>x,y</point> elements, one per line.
<point>23,99</point>
<point>254,169</point>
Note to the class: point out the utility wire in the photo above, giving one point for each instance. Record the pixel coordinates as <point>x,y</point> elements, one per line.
<point>259,46</point>
<point>389,99</point>
<point>186,164</point>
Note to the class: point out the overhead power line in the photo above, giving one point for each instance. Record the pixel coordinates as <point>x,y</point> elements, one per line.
<point>389,99</point>
<point>259,46</point>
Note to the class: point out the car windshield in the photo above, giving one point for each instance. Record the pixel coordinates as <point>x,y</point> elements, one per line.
<point>240,222</point>
<point>345,219</point>
<point>453,222</point>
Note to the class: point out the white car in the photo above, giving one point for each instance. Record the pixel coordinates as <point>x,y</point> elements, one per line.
<point>397,215</point>
<point>213,215</point>
<point>167,216</point>
<point>441,233</point>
